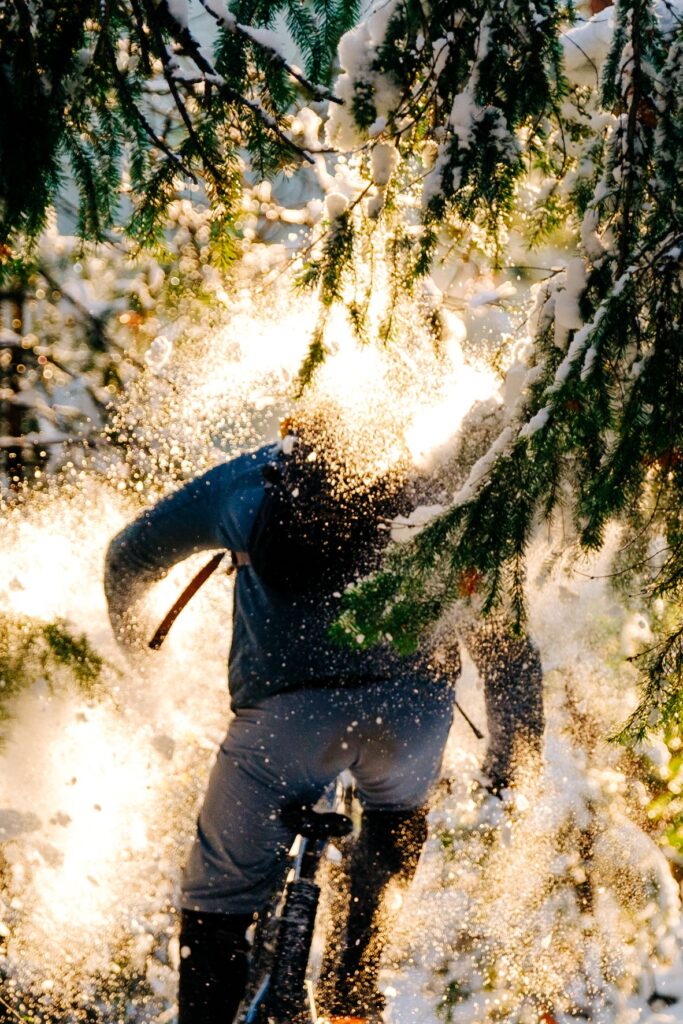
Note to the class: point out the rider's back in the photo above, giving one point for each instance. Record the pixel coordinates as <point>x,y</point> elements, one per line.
<point>279,639</point>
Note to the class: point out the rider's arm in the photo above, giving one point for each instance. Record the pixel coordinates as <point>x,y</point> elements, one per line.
<point>510,668</point>
<point>190,520</point>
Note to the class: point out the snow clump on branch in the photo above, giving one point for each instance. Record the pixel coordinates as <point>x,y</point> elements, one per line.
<point>336,205</point>
<point>357,52</point>
<point>385,160</point>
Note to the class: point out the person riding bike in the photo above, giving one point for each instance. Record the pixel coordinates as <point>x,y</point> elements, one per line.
<point>304,710</point>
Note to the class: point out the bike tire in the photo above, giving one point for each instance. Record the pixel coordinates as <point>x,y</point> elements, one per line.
<point>287,997</point>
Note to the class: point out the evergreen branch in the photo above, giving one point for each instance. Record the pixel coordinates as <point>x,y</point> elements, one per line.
<point>146,224</point>
<point>91,221</point>
<point>129,104</point>
<point>142,36</point>
<point>662,701</point>
<point>208,74</point>
<point>484,530</point>
<point>268,122</point>
<point>303,30</point>
<point>26,23</point>
<point>315,356</point>
<point>106,7</point>
<point>320,92</point>
<point>177,99</point>
<point>632,125</point>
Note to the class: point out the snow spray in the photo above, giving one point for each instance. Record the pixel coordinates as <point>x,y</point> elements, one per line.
<point>99,789</point>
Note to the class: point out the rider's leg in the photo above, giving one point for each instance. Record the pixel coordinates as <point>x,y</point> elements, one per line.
<point>242,841</point>
<point>213,966</point>
<point>287,749</point>
<point>239,850</point>
<point>388,847</point>
<point>510,667</point>
<point>400,749</point>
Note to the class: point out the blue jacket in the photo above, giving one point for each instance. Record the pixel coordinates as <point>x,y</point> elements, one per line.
<point>279,641</point>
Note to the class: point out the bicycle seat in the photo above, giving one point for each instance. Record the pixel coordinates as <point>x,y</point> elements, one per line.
<point>316,824</point>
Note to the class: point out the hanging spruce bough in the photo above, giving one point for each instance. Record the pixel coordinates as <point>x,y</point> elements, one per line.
<point>476,83</point>
<point>122,96</point>
<point>445,113</point>
<point>601,423</point>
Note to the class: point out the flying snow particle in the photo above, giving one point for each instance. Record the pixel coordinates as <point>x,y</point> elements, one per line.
<point>159,353</point>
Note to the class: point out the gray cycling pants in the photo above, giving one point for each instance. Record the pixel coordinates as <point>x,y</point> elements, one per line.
<point>289,747</point>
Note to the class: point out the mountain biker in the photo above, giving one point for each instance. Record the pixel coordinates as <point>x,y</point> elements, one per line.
<point>304,709</point>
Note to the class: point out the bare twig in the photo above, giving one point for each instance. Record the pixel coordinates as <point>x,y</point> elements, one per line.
<point>36,441</point>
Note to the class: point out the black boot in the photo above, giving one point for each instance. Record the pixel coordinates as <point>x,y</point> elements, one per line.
<point>213,966</point>
<point>389,846</point>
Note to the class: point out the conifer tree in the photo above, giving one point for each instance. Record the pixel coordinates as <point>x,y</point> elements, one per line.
<point>122,106</point>
<point>599,427</point>
<point>122,97</point>
<point>447,113</point>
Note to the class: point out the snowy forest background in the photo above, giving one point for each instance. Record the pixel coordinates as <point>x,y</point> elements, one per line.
<point>474,258</point>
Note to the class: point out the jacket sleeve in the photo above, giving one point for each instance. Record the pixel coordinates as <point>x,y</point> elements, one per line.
<point>188,521</point>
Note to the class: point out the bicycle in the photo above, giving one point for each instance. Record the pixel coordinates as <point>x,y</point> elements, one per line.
<point>278,991</point>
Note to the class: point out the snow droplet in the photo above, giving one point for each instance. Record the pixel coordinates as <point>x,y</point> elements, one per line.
<point>159,353</point>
